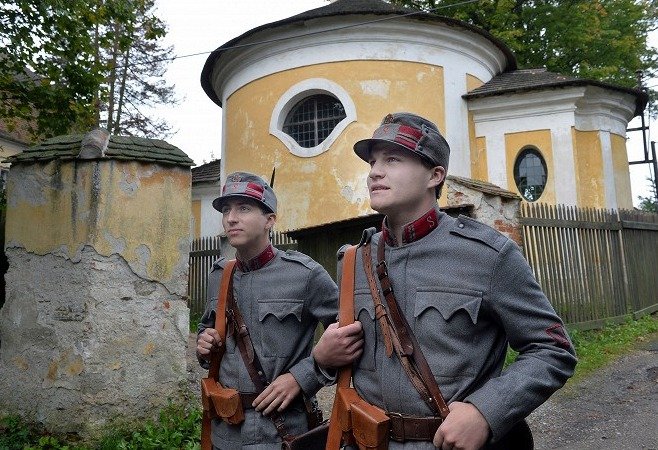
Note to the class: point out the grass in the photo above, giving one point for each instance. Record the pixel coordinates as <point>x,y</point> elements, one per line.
<point>596,348</point>
<point>179,427</point>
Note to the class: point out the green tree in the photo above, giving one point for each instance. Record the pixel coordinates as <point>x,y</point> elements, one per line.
<point>47,77</point>
<point>137,63</point>
<point>650,204</point>
<point>61,60</point>
<point>604,40</point>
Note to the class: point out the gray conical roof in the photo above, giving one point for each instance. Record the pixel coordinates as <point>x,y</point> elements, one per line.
<point>345,8</point>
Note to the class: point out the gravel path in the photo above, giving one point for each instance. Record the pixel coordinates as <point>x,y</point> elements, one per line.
<point>615,408</point>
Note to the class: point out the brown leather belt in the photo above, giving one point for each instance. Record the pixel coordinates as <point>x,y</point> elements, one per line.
<point>247,400</point>
<point>407,428</point>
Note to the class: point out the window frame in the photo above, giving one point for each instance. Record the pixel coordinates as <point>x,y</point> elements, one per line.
<point>529,150</point>
<point>315,121</point>
<point>297,93</point>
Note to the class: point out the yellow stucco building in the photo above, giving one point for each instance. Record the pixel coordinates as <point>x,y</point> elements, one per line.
<point>296,94</point>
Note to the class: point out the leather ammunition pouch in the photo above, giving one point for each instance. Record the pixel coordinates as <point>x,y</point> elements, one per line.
<point>221,402</point>
<point>313,439</point>
<point>361,423</point>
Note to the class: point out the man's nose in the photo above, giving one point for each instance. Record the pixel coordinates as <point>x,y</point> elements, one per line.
<point>375,171</point>
<point>231,216</point>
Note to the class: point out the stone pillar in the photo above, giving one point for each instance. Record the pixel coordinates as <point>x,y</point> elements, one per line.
<point>492,205</point>
<point>95,323</point>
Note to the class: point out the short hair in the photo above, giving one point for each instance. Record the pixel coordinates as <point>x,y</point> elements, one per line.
<point>430,166</point>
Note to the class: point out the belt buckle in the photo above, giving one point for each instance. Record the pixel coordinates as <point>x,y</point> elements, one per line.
<point>400,436</point>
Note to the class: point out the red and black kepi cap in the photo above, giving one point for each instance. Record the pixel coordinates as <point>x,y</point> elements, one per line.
<point>248,185</point>
<point>409,132</point>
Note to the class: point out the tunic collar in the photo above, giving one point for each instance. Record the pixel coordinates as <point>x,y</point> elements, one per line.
<point>257,262</point>
<point>412,231</point>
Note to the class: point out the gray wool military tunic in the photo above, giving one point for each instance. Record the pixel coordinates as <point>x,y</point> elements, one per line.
<point>466,291</point>
<point>282,303</point>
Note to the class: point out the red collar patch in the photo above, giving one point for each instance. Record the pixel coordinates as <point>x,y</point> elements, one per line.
<point>413,231</point>
<point>257,262</point>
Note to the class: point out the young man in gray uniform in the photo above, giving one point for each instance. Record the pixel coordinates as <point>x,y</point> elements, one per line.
<point>282,297</point>
<point>465,290</point>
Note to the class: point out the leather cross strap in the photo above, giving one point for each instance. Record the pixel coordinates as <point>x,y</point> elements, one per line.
<point>251,361</point>
<point>245,345</point>
<point>389,332</point>
<point>409,344</point>
<point>345,317</point>
<point>380,311</point>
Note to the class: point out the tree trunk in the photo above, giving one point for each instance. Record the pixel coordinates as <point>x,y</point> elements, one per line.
<point>113,77</point>
<point>122,90</point>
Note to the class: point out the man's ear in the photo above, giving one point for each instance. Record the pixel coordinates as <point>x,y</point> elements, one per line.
<point>438,176</point>
<point>271,220</point>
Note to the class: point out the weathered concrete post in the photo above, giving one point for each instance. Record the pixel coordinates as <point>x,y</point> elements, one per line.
<point>95,322</point>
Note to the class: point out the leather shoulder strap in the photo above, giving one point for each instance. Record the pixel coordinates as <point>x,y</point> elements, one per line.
<point>380,311</point>
<point>346,305</point>
<point>220,316</point>
<point>345,317</point>
<point>408,343</point>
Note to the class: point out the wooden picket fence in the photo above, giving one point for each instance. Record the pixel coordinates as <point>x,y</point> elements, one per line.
<point>596,266</point>
<point>203,252</point>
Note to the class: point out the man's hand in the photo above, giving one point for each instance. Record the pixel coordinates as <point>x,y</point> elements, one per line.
<point>465,428</point>
<point>207,342</point>
<point>278,395</point>
<point>339,346</point>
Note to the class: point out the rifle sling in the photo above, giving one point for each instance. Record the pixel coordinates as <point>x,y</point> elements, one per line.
<point>409,348</point>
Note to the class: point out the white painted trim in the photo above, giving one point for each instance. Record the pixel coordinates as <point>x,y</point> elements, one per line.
<point>398,39</point>
<point>564,166</point>
<point>497,159</point>
<point>456,114</point>
<point>296,93</point>
<point>531,104</point>
<point>605,110</point>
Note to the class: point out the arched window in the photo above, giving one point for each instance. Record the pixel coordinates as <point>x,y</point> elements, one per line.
<point>311,120</point>
<point>530,174</point>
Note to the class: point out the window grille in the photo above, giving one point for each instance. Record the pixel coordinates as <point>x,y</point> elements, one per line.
<point>311,120</point>
<point>530,174</point>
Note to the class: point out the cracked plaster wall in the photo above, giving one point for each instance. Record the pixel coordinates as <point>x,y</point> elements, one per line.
<point>139,211</point>
<point>95,322</point>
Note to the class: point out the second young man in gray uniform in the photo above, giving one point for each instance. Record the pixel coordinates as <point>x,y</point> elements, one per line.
<point>466,292</point>
<point>282,296</point>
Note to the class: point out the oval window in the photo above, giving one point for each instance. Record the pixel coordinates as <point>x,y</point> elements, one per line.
<point>530,174</point>
<point>311,120</point>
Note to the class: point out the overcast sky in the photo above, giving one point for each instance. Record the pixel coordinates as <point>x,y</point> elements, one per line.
<point>200,26</point>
